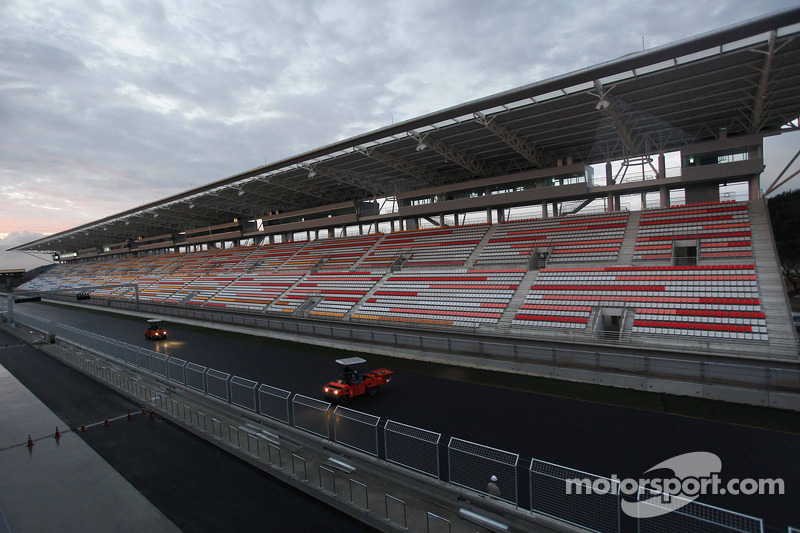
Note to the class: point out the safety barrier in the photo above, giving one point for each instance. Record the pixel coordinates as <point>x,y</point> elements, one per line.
<point>412,447</point>
<point>475,466</point>
<point>356,430</point>
<point>584,508</point>
<point>667,512</point>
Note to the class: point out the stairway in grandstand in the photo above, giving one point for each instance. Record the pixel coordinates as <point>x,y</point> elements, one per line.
<point>504,323</point>
<point>367,296</point>
<point>470,262</point>
<point>628,244</point>
<point>367,253</point>
<point>782,338</point>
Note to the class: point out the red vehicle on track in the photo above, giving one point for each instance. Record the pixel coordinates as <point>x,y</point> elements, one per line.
<point>154,330</point>
<point>351,383</point>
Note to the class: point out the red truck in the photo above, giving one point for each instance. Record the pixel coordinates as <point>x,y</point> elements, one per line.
<point>351,383</point>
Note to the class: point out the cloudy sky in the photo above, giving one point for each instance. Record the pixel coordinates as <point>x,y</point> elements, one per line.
<point>108,105</point>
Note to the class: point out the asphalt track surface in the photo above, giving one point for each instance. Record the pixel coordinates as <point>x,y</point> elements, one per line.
<point>589,436</point>
<point>195,484</point>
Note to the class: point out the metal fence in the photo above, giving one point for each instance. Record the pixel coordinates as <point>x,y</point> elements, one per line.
<point>176,370</point>
<point>217,384</point>
<point>243,393</point>
<point>311,415</point>
<point>356,430</point>
<point>274,402</point>
<point>469,465</point>
<point>412,447</point>
<point>474,465</point>
<point>196,377</point>
<point>659,512</point>
<point>159,363</point>
<point>577,497</point>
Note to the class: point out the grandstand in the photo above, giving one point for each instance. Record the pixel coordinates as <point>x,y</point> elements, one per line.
<point>527,216</point>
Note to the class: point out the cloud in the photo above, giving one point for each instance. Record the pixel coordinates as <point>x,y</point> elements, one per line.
<point>17,260</point>
<point>106,106</point>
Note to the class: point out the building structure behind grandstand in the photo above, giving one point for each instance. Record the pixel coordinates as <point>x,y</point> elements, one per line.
<point>618,207</point>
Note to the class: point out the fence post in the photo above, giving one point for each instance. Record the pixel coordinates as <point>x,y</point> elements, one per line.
<point>366,493</point>
<point>294,471</point>
<point>386,498</point>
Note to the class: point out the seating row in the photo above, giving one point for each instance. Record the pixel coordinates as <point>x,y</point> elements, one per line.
<point>459,297</point>
<point>720,229</point>
<point>253,292</point>
<point>339,253</point>
<point>570,238</point>
<point>436,246</point>
<point>337,292</point>
<point>686,298</point>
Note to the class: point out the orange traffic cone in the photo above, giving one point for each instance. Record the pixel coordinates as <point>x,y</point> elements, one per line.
<point>30,442</point>
<point>83,428</point>
<point>152,414</point>
<point>143,409</point>
<point>129,415</point>
<point>106,424</point>
<point>57,435</point>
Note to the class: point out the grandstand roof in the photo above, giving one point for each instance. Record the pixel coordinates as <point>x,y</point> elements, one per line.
<point>742,79</point>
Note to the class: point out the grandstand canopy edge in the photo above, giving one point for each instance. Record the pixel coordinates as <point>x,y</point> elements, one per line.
<point>539,145</point>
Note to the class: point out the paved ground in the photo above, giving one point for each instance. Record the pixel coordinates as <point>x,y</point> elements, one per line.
<point>590,436</point>
<point>136,475</point>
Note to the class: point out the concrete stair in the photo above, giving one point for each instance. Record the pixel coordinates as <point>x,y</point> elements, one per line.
<point>365,254</point>
<point>219,290</point>
<point>277,268</point>
<point>369,294</point>
<point>504,323</point>
<point>470,262</point>
<point>775,303</point>
<point>626,248</point>
<point>277,308</point>
<point>626,329</point>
